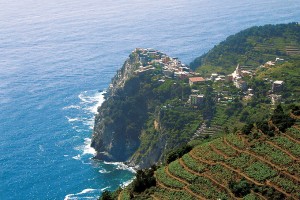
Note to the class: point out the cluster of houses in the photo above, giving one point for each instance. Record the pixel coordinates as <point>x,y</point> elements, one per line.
<point>278,85</point>
<point>172,67</point>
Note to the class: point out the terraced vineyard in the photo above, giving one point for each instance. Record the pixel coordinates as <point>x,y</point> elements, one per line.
<point>235,166</point>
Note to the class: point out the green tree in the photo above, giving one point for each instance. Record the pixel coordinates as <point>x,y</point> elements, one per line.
<point>144,179</point>
<point>240,188</point>
<point>282,120</point>
<point>106,195</point>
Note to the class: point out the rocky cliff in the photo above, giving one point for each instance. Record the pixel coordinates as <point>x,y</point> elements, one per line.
<point>144,115</point>
<point>112,139</point>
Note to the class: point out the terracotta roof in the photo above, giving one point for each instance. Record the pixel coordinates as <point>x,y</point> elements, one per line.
<point>196,79</point>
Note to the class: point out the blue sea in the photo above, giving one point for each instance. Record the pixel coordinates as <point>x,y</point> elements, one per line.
<point>56,59</point>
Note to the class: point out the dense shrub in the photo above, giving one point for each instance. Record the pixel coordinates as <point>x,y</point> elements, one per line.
<point>240,188</point>
<point>106,195</point>
<point>178,153</point>
<point>144,179</point>
<point>247,128</point>
<point>282,120</point>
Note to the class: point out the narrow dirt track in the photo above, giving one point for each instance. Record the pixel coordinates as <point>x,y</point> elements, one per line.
<point>294,116</point>
<point>207,176</point>
<point>154,197</point>
<point>282,170</point>
<point>291,138</point>
<point>278,189</point>
<point>178,190</point>
<point>259,195</point>
<point>160,184</point>
<point>192,154</point>
<point>228,167</point>
<point>241,174</point>
<point>175,177</point>
<point>218,151</point>
<point>284,150</point>
<point>194,194</point>
<point>254,155</point>
<point>184,182</point>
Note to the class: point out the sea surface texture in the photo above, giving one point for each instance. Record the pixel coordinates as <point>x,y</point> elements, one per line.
<point>56,58</point>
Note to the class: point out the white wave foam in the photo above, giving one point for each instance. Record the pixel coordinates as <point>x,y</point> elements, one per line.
<point>89,103</point>
<point>87,147</point>
<point>73,119</point>
<point>121,166</point>
<point>103,189</point>
<point>78,157</point>
<point>126,183</point>
<point>96,100</point>
<point>87,191</point>
<point>89,123</point>
<point>71,107</point>
<point>83,97</point>
<point>100,99</point>
<point>103,171</point>
<point>82,195</point>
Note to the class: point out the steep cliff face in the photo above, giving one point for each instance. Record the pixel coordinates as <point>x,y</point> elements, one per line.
<point>144,115</point>
<point>112,138</point>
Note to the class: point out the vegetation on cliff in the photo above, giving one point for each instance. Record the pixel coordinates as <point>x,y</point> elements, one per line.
<point>251,47</point>
<point>144,117</point>
<point>251,165</point>
<point>152,116</point>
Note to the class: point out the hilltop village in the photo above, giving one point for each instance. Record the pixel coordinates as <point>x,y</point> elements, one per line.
<point>224,127</point>
<point>172,68</point>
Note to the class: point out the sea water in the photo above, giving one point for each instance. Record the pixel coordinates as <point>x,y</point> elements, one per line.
<point>56,60</point>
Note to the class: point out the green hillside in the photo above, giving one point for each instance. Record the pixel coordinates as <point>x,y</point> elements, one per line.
<point>243,165</point>
<point>251,47</point>
<point>238,143</point>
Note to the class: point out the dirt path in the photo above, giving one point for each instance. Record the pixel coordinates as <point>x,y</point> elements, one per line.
<point>207,176</point>
<point>245,140</point>
<point>175,177</point>
<point>272,124</point>
<point>246,177</point>
<point>294,116</point>
<point>193,193</point>
<point>285,151</point>
<point>188,169</point>
<point>195,173</point>
<point>254,155</point>
<point>160,184</point>
<point>259,195</point>
<point>297,127</point>
<point>282,170</point>
<point>192,154</point>
<point>241,174</point>
<point>184,182</point>
<point>154,197</point>
<point>277,188</point>
<point>228,167</point>
<point>218,151</point>
<point>291,138</point>
<point>120,196</point>
<point>220,185</point>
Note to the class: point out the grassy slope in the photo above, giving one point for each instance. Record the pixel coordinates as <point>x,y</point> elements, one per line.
<point>207,171</point>
<point>252,47</point>
<point>268,166</point>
